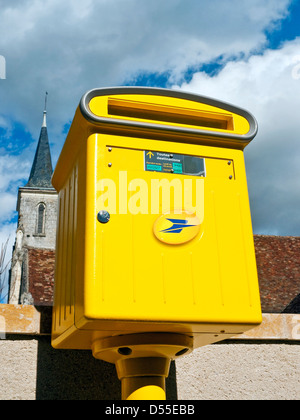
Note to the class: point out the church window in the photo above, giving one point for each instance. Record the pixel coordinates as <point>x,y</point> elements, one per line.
<point>41,219</point>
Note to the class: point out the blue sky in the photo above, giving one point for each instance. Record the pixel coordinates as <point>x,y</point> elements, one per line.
<point>246,52</point>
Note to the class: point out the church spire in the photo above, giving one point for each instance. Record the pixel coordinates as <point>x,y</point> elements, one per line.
<point>41,171</point>
<point>45,112</point>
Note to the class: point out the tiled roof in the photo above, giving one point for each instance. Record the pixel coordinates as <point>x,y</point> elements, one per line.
<point>41,266</point>
<point>278,266</point>
<point>294,306</point>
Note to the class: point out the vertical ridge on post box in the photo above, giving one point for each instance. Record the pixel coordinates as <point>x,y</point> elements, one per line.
<point>66,255</point>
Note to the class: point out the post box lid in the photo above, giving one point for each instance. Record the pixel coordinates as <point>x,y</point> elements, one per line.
<point>194,118</point>
<point>158,114</point>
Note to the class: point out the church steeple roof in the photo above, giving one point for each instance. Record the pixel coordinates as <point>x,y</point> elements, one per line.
<point>41,171</point>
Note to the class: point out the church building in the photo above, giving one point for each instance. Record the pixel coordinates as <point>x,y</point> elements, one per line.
<point>33,259</point>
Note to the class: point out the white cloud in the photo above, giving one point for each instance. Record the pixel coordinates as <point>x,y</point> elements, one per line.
<point>68,47</point>
<point>6,126</point>
<point>7,206</point>
<point>266,86</point>
<point>7,232</point>
<point>12,170</point>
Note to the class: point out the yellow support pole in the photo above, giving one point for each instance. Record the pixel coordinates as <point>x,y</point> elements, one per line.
<point>144,388</point>
<point>143,378</point>
<point>142,361</point>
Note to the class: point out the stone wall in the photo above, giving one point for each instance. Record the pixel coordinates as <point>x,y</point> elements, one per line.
<point>28,202</point>
<point>32,370</point>
<point>262,364</point>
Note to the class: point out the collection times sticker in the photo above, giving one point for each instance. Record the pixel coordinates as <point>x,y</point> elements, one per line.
<point>174,163</point>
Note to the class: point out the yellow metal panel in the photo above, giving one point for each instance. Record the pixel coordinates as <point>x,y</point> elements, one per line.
<point>128,275</point>
<point>210,279</point>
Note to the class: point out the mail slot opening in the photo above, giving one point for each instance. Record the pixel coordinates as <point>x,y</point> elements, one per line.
<point>169,114</point>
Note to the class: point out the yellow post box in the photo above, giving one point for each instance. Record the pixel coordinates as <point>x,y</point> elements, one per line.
<point>155,252</point>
